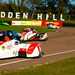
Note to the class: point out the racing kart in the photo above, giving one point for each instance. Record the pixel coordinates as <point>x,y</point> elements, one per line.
<point>13,48</point>
<point>32,34</point>
<point>25,35</point>
<point>55,24</point>
<point>9,34</point>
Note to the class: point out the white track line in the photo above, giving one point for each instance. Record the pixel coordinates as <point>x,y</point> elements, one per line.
<point>49,55</point>
<point>58,53</point>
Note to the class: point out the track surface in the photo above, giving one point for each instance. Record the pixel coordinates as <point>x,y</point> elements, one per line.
<point>60,45</point>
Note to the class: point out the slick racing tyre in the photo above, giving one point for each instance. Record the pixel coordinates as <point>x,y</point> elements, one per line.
<point>22,52</point>
<point>43,36</point>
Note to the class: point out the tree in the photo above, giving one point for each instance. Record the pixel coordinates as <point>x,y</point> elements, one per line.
<point>10,1</point>
<point>61,5</point>
<point>34,4</point>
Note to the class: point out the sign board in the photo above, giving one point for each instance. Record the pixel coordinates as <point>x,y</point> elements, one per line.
<point>26,23</point>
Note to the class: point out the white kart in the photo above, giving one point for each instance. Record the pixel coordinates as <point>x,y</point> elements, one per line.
<point>14,48</point>
<point>32,34</point>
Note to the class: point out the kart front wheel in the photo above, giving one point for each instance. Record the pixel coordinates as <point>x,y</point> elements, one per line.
<point>43,37</point>
<point>22,53</point>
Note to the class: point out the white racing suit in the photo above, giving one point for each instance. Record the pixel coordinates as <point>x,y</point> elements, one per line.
<point>28,35</point>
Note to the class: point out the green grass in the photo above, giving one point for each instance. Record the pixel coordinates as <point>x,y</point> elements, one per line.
<point>20,28</point>
<point>64,67</point>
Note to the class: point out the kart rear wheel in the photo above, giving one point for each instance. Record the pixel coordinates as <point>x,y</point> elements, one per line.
<point>21,55</point>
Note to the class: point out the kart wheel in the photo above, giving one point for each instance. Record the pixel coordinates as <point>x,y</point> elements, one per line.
<point>40,55</point>
<point>43,37</point>
<point>22,55</point>
<point>22,52</point>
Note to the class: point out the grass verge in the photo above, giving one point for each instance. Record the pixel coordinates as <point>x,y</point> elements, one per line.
<point>20,28</point>
<point>63,67</point>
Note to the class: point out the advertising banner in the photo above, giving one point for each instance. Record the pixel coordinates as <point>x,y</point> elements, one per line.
<point>26,23</point>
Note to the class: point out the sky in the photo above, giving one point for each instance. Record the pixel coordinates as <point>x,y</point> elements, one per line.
<point>72,2</point>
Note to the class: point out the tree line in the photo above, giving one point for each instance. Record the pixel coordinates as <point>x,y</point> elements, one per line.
<point>45,6</point>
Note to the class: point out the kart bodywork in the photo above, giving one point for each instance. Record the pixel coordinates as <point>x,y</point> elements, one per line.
<point>34,36</point>
<point>14,48</point>
<point>25,35</point>
<point>55,24</point>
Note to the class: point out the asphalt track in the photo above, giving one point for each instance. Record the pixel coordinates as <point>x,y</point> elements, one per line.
<point>60,45</point>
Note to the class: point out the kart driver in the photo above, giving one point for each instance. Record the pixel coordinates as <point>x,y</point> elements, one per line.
<point>28,33</point>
